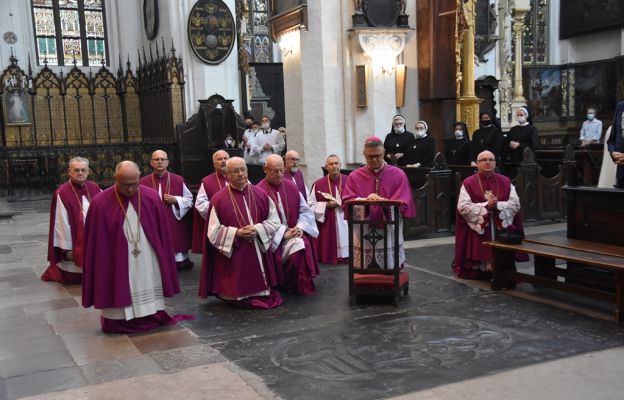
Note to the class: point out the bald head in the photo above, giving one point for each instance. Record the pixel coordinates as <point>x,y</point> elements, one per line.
<point>486,163</point>
<point>127,178</point>
<point>274,169</point>
<point>236,172</point>
<point>159,162</point>
<point>127,167</point>
<point>219,161</point>
<point>291,161</point>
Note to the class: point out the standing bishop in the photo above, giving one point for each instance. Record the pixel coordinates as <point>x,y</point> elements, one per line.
<point>129,259</point>
<point>178,201</point>
<point>325,199</point>
<point>68,211</point>
<point>210,185</point>
<point>378,181</point>
<point>294,249</point>
<point>237,265</point>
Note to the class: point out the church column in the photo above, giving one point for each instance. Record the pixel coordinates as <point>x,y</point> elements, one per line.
<point>469,102</point>
<point>520,10</point>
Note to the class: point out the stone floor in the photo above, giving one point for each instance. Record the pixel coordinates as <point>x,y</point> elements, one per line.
<point>447,340</point>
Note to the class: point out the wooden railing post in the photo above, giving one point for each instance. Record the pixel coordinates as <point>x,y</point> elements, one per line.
<point>440,187</point>
<point>527,189</point>
<point>569,166</point>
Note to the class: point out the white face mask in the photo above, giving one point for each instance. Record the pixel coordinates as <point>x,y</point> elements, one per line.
<point>399,129</point>
<point>459,134</point>
<point>421,133</point>
<point>590,116</point>
<point>521,119</point>
<point>265,125</point>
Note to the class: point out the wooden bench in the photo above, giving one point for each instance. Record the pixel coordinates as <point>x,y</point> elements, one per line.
<point>546,250</point>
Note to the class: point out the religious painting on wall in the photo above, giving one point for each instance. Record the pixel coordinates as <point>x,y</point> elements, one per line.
<point>595,86</point>
<point>542,89</point>
<point>211,31</point>
<point>16,106</point>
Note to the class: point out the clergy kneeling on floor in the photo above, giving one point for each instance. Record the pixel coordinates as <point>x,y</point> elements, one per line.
<point>129,264</point>
<point>66,242</point>
<point>237,264</point>
<point>178,201</point>
<point>325,199</point>
<point>293,245</point>
<point>487,202</point>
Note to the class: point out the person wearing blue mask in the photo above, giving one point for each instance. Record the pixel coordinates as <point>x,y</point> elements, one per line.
<point>591,131</point>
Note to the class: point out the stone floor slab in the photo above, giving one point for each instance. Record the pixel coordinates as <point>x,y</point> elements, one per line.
<point>75,320</point>
<point>31,347</point>
<point>44,382</point>
<point>164,340</point>
<point>26,364</point>
<point>214,381</point>
<point>87,348</point>
<point>8,324</point>
<point>176,359</point>
<point>106,371</point>
<point>44,306</point>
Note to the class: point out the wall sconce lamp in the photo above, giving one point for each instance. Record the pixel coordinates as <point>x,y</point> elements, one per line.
<point>400,80</point>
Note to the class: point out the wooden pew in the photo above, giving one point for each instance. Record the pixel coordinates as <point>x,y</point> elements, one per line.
<point>593,250</point>
<point>546,251</point>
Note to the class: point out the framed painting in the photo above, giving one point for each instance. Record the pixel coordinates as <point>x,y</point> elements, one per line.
<point>17,108</point>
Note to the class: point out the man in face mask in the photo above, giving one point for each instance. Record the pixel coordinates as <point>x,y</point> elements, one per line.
<point>591,131</point>
<point>487,137</point>
<point>397,141</point>
<point>268,141</point>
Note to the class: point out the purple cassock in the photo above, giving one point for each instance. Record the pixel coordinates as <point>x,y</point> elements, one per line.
<point>174,185</point>
<point>72,211</point>
<point>106,281</point>
<point>388,182</point>
<point>330,228</point>
<point>470,217</point>
<point>210,185</point>
<point>236,270</point>
<point>296,256</point>
<point>297,179</point>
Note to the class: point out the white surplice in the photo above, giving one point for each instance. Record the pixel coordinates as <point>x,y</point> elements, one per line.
<point>222,238</point>
<point>306,222</point>
<point>144,275</point>
<point>62,232</point>
<point>342,227</point>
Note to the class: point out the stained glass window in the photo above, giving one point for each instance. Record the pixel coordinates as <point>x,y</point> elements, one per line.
<point>68,30</point>
<point>256,36</point>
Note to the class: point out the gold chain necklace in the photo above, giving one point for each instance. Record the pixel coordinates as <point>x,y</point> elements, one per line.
<point>132,238</point>
<point>337,187</point>
<point>86,189</point>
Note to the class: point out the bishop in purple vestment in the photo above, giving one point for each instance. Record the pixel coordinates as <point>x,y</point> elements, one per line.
<point>178,201</point>
<point>237,265</point>
<point>293,243</point>
<point>293,173</point>
<point>68,211</point>
<point>129,265</point>
<point>378,181</point>
<point>325,200</point>
<point>209,186</point>
<point>487,202</point>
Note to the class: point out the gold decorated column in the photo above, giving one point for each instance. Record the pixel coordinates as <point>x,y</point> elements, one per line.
<point>518,29</point>
<point>468,102</point>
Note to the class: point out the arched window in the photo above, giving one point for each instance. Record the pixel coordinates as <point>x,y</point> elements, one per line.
<point>70,29</point>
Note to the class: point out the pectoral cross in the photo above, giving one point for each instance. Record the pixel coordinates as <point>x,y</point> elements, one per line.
<point>136,252</point>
